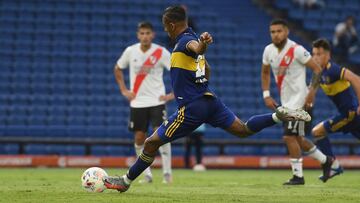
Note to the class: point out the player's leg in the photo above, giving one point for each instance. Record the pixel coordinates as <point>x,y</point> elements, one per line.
<point>254,124</point>
<point>145,159</point>
<point>296,160</point>
<point>295,141</point>
<point>320,133</point>
<point>140,137</point>
<point>226,119</point>
<point>139,122</point>
<point>187,154</point>
<point>158,116</point>
<point>322,140</point>
<point>310,149</point>
<point>178,125</point>
<point>198,143</point>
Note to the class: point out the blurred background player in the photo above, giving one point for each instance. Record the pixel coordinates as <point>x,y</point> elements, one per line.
<point>197,104</point>
<point>287,61</point>
<point>345,39</point>
<point>146,61</point>
<point>336,83</point>
<point>195,139</point>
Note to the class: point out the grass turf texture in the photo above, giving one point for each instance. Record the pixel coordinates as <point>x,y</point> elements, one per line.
<point>63,185</point>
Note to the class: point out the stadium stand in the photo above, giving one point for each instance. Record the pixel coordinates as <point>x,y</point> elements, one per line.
<point>322,21</point>
<point>57,58</point>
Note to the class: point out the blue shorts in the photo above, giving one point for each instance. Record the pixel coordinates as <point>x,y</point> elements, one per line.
<point>206,109</point>
<point>346,123</point>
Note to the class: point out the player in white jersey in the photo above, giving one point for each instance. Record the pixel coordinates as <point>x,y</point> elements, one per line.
<point>146,62</point>
<point>288,62</point>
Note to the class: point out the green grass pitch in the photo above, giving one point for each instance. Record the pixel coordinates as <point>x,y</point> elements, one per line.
<point>63,185</point>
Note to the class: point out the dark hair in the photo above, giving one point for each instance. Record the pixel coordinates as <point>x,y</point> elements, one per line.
<point>279,21</point>
<point>322,43</point>
<point>175,13</point>
<point>145,24</point>
<point>350,17</point>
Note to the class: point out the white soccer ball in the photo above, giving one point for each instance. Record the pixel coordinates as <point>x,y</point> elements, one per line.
<point>91,179</point>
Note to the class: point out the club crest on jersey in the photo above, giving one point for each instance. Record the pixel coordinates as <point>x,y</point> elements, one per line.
<point>287,59</point>
<point>152,60</point>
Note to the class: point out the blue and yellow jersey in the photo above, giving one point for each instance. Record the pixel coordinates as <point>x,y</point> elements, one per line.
<point>187,70</point>
<point>337,88</point>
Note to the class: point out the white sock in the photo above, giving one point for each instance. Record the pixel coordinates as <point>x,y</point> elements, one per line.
<point>165,152</point>
<point>316,154</point>
<point>335,164</point>
<point>296,166</point>
<point>275,118</point>
<point>138,150</point>
<point>127,180</point>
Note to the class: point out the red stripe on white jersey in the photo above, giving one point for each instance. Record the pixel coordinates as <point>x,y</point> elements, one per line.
<point>284,65</point>
<point>149,63</point>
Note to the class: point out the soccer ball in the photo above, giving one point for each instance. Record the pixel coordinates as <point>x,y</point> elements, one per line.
<point>91,179</point>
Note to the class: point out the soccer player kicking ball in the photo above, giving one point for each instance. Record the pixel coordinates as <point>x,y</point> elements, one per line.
<point>336,83</point>
<point>146,62</point>
<point>197,104</point>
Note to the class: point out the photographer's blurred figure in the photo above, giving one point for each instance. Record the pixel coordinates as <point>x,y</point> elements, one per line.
<point>345,39</point>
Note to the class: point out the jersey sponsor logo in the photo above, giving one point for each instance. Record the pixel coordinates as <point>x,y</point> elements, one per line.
<point>200,70</point>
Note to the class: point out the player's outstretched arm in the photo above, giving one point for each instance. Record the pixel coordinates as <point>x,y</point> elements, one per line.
<point>119,76</point>
<point>355,82</point>
<point>200,47</point>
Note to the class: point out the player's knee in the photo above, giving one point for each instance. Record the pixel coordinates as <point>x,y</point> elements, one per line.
<point>239,129</point>
<point>287,139</point>
<point>140,137</point>
<point>317,132</point>
<point>151,146</point>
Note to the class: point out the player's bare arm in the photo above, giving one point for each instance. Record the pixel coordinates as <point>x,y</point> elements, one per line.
<point>167,97</point>
<point>315,82</point>
<point>265,84</point>
<point>355,82</point>
<point>119,76</point>
<point>207,70</point>
<point>200,47</point>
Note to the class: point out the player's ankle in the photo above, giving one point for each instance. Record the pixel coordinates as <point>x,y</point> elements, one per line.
<point>127,180</point>
<point>275,118</point>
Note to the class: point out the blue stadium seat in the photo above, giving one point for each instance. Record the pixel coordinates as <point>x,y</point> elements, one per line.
<point>37,130</point>
<point>78,150</point>
<point>242,150</point>
<point>35,149</point>
<point>211,151</point>
<point>9,148</point>
<point>341,150</point>
<point>77,131</point>
<point>274,150</point>
<point>177,150</point>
